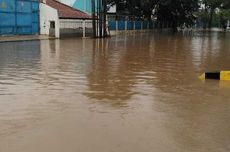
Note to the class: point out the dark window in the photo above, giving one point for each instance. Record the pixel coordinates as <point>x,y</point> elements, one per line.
<point>52,24</point>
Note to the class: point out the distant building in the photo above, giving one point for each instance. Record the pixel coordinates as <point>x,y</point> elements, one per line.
<point>86,6</point>
<point>83,5</point>
<point>58,19</point>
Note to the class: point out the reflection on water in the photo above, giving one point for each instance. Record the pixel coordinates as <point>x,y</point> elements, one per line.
<point>142,88</point>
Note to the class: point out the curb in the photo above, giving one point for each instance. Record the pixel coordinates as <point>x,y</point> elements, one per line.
<point>25,39</point>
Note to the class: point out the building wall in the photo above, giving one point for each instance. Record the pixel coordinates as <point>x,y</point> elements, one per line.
<point>85,5</point>
<point>48,15</point>
<point>80,28</point>
<point>82,5</point>
<point>19,17</point>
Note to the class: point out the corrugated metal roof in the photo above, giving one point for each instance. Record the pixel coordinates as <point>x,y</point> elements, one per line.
<point>67,12</point>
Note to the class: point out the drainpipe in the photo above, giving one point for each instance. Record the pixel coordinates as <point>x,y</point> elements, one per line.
<point>93,17</point>
<point>83,24</point>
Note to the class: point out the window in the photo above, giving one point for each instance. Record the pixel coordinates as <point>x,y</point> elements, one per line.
<point>52,24</point>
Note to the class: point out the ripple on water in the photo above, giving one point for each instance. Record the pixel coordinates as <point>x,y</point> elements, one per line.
<point>141,88</point>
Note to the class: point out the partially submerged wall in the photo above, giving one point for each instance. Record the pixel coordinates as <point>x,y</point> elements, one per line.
<point>49,15</point>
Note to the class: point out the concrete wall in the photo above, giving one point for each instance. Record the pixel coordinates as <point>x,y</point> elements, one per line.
<point>48,14</point>
<point>79,28</point>
<point>75,24</point>
<point>75,33</point>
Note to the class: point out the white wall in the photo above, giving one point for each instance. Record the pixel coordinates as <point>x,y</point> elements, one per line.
<point>75,24</point>
<point>48,14</point>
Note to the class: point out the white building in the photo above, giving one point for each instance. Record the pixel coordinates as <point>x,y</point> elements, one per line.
<point>58,19</point>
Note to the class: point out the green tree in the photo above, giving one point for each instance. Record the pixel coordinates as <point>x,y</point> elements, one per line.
<point>211,6</point>
<point>224,16</point>
<point>177,12</point>
<point>173,12</point>
<point>226,4</point>
<point>135,8</point>
<point>211,12</point>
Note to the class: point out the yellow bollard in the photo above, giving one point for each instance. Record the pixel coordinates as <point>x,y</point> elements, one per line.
<point>225,75</point>
<point>222,75</point>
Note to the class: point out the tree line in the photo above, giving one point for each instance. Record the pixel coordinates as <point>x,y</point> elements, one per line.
<point>177,12</point>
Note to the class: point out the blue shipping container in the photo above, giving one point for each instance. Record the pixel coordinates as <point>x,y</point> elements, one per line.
<point>19,17</point>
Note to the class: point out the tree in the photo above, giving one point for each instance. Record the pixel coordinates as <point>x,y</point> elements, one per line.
<point>147,6</point>
<point>212,5</point>
<point>226,4</point>
<point>135,8</point>
<point>224,16</point>
<point>177,12</point>
<point>174,12</point>
<point>210,8</point>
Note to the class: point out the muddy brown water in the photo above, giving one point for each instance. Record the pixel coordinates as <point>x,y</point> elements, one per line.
<point>130,93</point>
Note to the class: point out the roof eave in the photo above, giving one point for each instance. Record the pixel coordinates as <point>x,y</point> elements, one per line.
<point>75,18</point>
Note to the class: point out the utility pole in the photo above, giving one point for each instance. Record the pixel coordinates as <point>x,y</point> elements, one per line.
<point>104,18</point>
<point>94,18</point>
<point>99,12</point>
<point>84,22</point>
<point>100,17</point>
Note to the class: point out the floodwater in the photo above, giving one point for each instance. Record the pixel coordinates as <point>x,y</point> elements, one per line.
<point>130,93</point>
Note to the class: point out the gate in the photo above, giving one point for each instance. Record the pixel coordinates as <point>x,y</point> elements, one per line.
<point>19,17</point>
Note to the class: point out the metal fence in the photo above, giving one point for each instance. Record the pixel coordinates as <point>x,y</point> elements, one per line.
<point>134,25</point>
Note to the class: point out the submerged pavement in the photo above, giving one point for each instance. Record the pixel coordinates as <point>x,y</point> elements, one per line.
<point>136,92</point>
<point>24,38</point>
